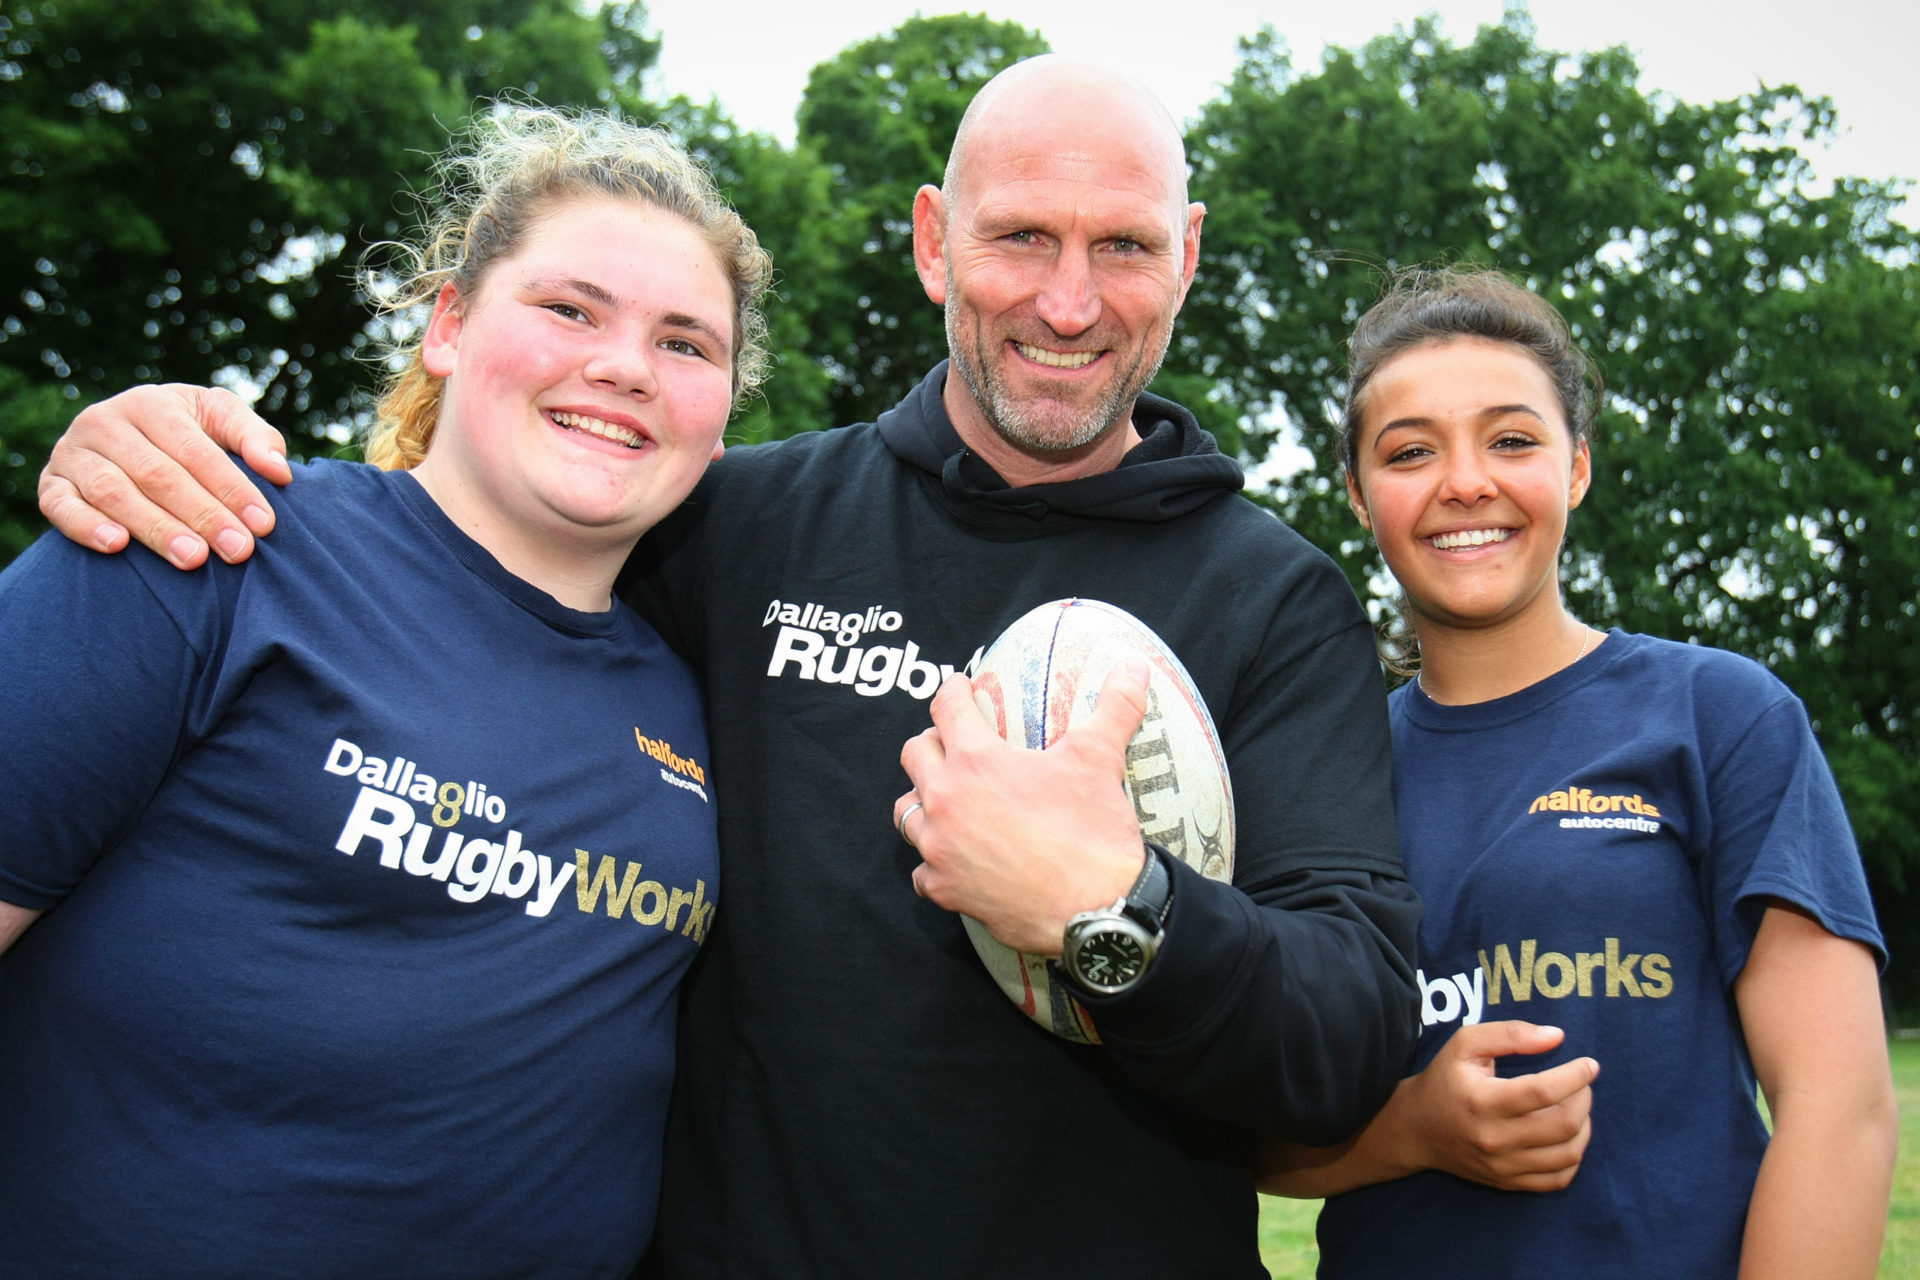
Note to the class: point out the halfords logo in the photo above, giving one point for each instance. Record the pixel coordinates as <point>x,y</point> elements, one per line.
<point>1635,813</point>
<point>662,750</point>
<point>801,648</point>
<point>685,773</point>
<point>1581,800</point>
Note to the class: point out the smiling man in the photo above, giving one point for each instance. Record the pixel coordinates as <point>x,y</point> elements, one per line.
<point>1060,271</point>
<point>855,1096</point>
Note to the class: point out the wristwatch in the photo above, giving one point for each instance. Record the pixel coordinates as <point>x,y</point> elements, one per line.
<point>1108,950</point>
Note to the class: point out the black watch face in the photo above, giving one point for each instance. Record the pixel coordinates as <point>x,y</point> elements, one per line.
<point>1110,959</point>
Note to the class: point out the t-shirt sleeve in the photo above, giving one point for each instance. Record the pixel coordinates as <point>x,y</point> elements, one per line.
<point>100,678</point>
<point>1779,830</point>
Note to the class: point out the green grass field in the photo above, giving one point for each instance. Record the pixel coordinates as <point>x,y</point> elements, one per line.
<point>1901,1256</point>
<point>1286,1226</point>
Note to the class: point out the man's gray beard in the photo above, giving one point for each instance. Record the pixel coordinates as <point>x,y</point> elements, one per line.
<point>1009,417</point>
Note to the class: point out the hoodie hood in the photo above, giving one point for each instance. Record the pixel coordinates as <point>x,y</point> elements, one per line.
<point>1175,468</point>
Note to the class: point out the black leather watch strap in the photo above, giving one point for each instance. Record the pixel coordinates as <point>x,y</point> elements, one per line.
<point>1152,894</point>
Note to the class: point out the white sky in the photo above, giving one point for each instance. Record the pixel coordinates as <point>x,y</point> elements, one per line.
<point>753,56</point>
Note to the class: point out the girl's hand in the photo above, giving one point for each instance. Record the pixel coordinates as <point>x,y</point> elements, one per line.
<point>1519,1133</point>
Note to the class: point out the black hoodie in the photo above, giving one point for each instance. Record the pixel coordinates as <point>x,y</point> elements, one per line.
<point>856,1097</point>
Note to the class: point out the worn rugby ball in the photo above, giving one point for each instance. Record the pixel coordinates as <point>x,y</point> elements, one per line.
<point>1041,677</point>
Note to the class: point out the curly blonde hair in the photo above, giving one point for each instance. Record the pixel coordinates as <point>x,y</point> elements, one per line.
<point>517,160</point>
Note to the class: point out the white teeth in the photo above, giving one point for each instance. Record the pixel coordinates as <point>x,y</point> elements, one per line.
<point>598,427</point>
<point>1058,359</point>
<point>1470,538</point>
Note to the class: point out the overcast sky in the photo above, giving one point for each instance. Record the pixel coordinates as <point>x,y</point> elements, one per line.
<point>754,57</point>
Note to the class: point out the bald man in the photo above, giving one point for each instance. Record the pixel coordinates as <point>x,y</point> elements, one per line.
<point>856,1097</point>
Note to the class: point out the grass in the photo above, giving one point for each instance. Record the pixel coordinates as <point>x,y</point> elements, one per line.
<point>1286,1226</point>
<point>1286,1237</point>
<point>1900,1257</point>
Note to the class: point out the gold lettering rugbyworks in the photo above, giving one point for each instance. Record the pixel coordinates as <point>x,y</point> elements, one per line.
<point>1554,975</point>
<point>645,902</point>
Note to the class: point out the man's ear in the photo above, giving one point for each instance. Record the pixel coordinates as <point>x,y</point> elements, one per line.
<point>930,242</point>
<point>440,345</point>
<point>1190,250</point>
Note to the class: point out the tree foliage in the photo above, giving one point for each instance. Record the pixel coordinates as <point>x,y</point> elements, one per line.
<point>187,181</point>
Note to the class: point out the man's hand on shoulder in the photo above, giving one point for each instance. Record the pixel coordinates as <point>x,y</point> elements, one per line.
<point>152,462</point>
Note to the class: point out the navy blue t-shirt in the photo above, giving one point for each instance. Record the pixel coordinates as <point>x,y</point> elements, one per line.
<point>1595,853</point>
<point>370,875</point>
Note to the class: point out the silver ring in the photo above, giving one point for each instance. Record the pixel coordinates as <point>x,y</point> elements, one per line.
<point>902,824</point>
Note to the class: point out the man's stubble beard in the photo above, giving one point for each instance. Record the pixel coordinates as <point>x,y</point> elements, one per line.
<point>1012,419</point>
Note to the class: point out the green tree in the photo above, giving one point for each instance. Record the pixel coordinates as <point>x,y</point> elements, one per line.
<point>1755,458</point>
<point>188,184</point>
<point>882,116</point>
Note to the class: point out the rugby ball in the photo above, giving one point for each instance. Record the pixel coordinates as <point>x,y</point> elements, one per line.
<point>1034,683</point>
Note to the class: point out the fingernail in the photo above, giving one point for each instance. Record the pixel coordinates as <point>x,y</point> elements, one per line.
<point>231,545</point>
<point>279,458</point>
<point>257,517</point>
<point>184,548</point>
<point>106,536</point>
<point>1137,668</point>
